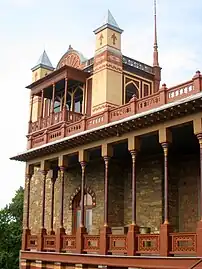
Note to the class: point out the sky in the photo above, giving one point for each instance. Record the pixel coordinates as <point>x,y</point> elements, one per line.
<point>27,27</point>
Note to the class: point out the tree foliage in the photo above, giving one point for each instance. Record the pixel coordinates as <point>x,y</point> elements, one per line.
<point>11,231</point>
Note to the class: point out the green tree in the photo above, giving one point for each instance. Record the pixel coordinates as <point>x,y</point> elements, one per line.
<point>11,231</point>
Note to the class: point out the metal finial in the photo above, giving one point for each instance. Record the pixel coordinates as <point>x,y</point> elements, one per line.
<point>155,60</point>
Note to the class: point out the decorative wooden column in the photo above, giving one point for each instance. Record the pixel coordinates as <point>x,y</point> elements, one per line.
<point>107,153</point>
<point>44,170</point>
<point>42,105</point>
<point>83,159</point>
<point>31,112</point>
<point>61,229</point>
<point>199,225</point>
<point>65,100</point>
<point>52,103</point>
<point>83,167</point>
<point>53,179</point>
<point>165,137</point>
<point>133,147</point>
<point>26,230</point>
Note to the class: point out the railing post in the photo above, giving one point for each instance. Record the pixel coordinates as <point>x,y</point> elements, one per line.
<point>83,123</point>
<point>163,94</point>
<point>197,83</point>
<point>133,104</point>
<point>106,115</point>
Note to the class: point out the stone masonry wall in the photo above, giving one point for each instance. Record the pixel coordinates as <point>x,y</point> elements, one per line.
<point>149,194</point>
<point>183,195</point>
<point>188,174</point>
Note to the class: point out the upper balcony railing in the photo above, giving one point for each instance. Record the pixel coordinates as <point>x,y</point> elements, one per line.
<point>67,123</point>
<point>137,64</point>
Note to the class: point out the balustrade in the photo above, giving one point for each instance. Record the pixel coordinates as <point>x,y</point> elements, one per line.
<point>149,102</point>
<point>181,91</point>
<point>182,243</point>
<point>148,243</point>
<point>120,112</point>
<point>66,123</point>
<point>91,243</point>
<point>68,243</point>
<point>117,244</point>
<point>49,242</point>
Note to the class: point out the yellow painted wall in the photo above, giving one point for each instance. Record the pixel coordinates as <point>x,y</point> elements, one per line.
<point>36,108</point>
<point>99,88</point>
<point>114,87</point>
<point>41,72</point>
<point>107,39</point>
<point>106,83</point>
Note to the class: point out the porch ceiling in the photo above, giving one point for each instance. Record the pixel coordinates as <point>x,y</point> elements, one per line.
<point>186,106</point>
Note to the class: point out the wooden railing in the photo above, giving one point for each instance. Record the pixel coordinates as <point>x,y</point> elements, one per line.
<point>183,243</point>
<point>147,244</point>
<point>68,243</point>
<point>67,123</point>
<point>91,243</point>
<point>117,244</point>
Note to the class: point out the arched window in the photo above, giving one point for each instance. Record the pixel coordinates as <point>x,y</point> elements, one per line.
<point>76,210</point>
<point>78,100</point>
<point>131,90</point>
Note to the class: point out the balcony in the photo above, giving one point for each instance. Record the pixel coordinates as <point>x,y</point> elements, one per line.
<point>66,123</point>
<point>183,243</point>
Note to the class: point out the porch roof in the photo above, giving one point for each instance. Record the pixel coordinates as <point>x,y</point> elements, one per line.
<point>89,135</point>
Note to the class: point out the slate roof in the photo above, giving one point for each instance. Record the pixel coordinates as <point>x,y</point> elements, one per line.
<point>109,22</point>
<point>44,61</point>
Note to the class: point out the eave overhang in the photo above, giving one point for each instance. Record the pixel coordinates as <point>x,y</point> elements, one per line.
<point>189,105</point>
<point>53,75</point>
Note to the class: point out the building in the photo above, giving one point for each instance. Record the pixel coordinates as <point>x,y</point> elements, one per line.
<point>113,163</point>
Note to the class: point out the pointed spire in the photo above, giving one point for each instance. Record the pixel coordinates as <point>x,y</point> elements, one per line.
<point>44,61</point>
<point>109,22</point>
<point>109,19</point>
<point>155,54</point>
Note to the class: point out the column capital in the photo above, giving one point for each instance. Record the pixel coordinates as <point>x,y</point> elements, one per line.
<point>106,158</point>
<point>133,152</point>
<point>199,136</point>
<point>83,163</point>
<point>165,146</point>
